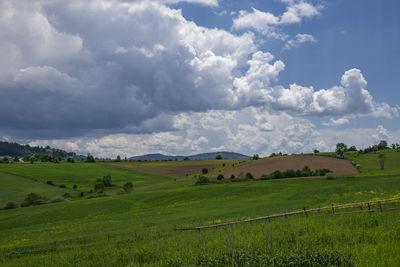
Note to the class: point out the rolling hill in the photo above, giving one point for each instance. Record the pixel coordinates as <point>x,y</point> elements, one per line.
<point>202,156</point>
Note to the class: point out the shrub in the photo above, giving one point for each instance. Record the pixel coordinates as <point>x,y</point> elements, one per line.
<point>75,186</point>
<point>204,171</point>
<point>107,181</point>
<point>10,205</point>
<point>62,186</point>
<point>99,188</point>
<point>256,157</point>
<point>232,176</point>
<point>249,176</point>
<point>33,199</point>
<point>128,187</point>
<point>50,183</point>
<point>306,171</point>
<point>202,180</point>
<point>218,157</point>
<point>220,177</point>
<point>330,176</point>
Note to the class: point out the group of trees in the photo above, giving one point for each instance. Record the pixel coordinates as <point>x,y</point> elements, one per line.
<point>17,150</point>
<point>305,172</point>
<point>106,181</point>
<point>341,148</point>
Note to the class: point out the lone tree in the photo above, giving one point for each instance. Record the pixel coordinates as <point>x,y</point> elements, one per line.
<point>219,157</point>
<point>107,181</point>
<point>382,145</point>
<point>99,188</point>
<point>128,187</point>
<point>256,157</point>
<point>118,158</point>
<point>204,171</point>
<point>340,149</point>
<point>382,158</point>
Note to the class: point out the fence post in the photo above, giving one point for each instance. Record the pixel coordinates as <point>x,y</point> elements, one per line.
<point>369,208</point>
<point>305,212</point>
<point>333,209</point>
<point>380,206</point>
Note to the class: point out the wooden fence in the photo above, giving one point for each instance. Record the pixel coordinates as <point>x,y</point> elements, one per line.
<point>304,211</point>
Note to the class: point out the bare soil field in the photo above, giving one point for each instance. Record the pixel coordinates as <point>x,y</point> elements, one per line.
<point>269,165</point>
<point>171,171</point>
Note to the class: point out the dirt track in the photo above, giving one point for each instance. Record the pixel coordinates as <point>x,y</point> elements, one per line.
<point>269,165</point>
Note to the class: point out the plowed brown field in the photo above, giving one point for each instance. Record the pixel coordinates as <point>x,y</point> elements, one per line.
<point>269,165</point>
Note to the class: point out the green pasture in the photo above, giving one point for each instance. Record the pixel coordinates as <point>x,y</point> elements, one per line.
<point>15,188</point>
<point>370,162</point>
<point>137,229</point>
<point>87,222</point>
<point>84,175</point>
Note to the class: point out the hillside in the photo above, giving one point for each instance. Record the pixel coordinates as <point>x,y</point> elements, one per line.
<point>202,156</point>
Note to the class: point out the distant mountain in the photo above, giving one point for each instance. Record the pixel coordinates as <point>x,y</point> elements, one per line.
<point>202,156</point>
<point>17,150</point>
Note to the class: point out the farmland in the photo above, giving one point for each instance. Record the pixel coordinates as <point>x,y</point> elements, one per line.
<point>137,229</point>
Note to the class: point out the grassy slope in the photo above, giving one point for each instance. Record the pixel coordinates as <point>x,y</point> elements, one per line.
<point>156,211</point>
<point>15,188</point>
<point>370,162</point>
<point>84,175</point>
<point>160,210</point>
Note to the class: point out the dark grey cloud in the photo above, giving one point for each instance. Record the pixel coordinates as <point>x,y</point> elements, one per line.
<point>74,67</point>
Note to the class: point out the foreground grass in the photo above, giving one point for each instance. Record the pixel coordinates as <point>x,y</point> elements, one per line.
<point>77,232</point>
<point>315,240</point>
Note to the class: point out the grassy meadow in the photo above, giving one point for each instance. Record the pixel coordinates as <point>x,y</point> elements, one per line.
<point>137,229</point>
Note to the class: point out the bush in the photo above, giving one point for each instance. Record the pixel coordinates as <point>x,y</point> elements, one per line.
<point>33,199</point>
<point>202,180</point>
<point>128,187</point>
<point>204,171</point>
<point>330,176</point>
<point>220,177</point>
<point>50,183</point>
<point>218,157</point>
<point>107,181</point>
<point>99,188</point>
<point>10,205</point>
<point>249,176</point>
<point>62,186</point>
<point>232,176</point>
<point>75,186</point>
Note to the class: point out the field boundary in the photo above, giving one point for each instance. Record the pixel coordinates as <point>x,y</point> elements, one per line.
<point>304,211</point>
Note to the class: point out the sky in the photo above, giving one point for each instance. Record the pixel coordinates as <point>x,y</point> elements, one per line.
<point>180,77</point>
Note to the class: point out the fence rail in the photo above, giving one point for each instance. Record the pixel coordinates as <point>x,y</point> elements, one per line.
<point>304,211</point>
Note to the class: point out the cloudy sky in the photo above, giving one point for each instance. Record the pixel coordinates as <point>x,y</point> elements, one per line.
<point>130,77</point>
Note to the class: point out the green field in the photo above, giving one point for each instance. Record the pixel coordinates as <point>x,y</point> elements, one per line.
<point>137,229</point>
<point>15,189</point>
